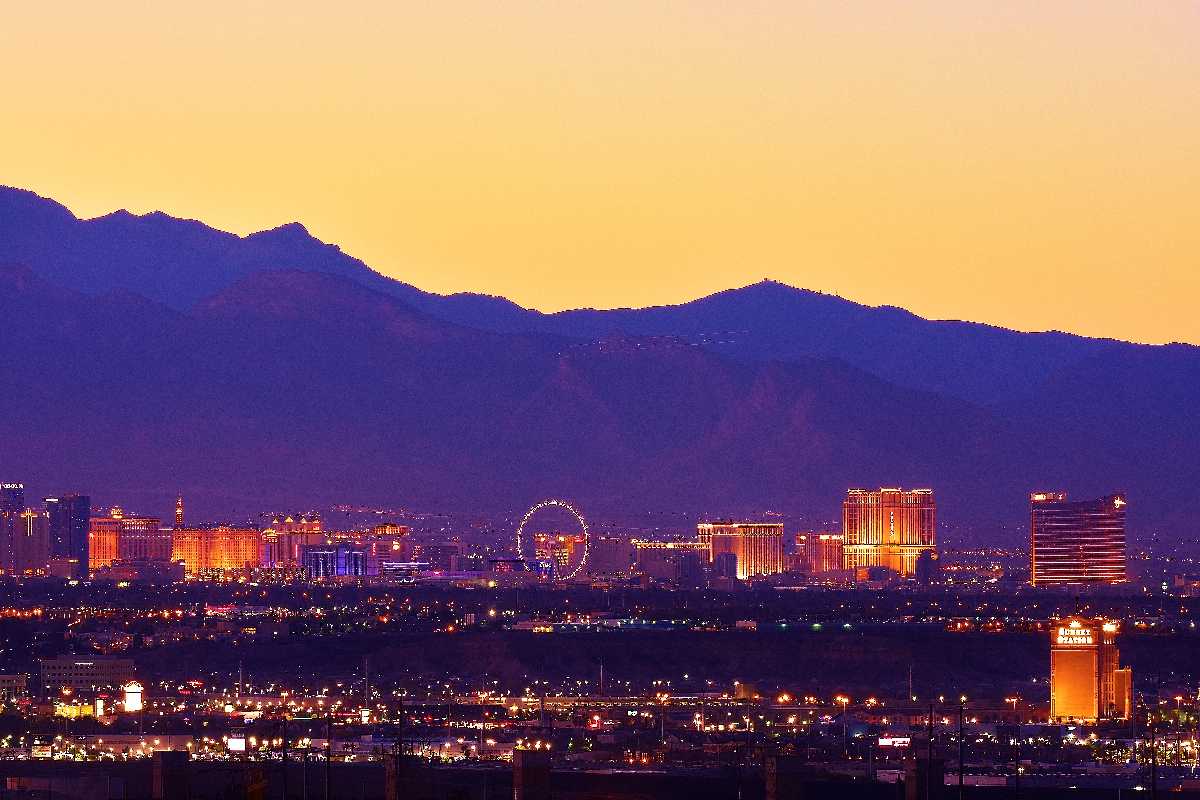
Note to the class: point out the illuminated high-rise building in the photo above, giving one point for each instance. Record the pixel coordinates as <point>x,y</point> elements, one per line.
<point>757,545</point>
<point>1076,542</point>
<point>24,542</point>
<point>820,552</point>
<point>220,548</point>
<point>68,519</point>
<point>888,528</point>
<point>104,540</point>
<point>179,511</point>
<point>340,560</point>
<point>12,498</point>
<point>1086,680</point>
<point>388,542</point>
<point>144,538</point>
<point>284,539</point>
<point>119,537</point>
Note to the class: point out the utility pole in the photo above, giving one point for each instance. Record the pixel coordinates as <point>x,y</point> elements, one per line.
<point>400,750</point>
<point>328,754</point>
<point>845,737</point>
<point>1017,765</point>
<point>962,702</point>
<point>1153,761</point>
<point>749,744</point>
<point>929,754</point>
<point>394,780</point>
<point>284,758</point>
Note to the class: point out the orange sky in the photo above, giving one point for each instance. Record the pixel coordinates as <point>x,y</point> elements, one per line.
<point>1030,164</point>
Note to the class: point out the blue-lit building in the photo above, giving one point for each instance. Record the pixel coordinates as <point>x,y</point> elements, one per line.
<point>340,560</point>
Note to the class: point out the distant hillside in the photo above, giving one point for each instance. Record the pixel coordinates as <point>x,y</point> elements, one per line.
<point>180,262</point>
<point>149,354</point>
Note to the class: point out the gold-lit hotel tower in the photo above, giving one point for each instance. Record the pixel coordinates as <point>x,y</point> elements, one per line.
<point>1086,680</point>
<point>888,528</point>
<point>1076,542</point>
<point>758,546</point>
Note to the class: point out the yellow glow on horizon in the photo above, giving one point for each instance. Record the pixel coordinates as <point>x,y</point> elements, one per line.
<point>1027,164</point>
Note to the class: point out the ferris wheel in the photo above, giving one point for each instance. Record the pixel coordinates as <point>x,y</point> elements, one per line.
<point>570,509</point>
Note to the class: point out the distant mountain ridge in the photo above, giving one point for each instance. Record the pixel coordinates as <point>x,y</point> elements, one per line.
<point>148,351</point>
<point>181,262</point>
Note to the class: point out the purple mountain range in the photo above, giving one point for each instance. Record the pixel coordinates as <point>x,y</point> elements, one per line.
<point>148,354</point>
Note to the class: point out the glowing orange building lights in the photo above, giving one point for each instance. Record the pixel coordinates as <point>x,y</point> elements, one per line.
<point>1086,681</point>
<point>221,548</point>
<point>888,528</point>
<point>758,546</point>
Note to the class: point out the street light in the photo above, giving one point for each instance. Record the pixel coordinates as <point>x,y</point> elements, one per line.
<point>841,698</point>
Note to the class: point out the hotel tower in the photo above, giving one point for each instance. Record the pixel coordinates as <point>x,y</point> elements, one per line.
<point>1076,542</point>
<point>888,528</point>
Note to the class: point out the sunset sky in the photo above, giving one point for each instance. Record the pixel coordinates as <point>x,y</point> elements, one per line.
<point>1030,164</point>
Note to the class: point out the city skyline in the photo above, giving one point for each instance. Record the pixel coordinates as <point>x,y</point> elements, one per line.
<point>556,401</point>
<point>887,535</point>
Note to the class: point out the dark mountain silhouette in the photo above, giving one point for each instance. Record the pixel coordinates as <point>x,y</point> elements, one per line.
<point>145,354</point>
<point>180,262</point>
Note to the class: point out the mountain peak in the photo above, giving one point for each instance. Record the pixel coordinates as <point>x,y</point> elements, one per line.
<point>288,233</point>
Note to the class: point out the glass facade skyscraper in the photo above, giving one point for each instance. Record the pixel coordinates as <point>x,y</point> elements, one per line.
<point>1076,542</point>
<point>69,515</point>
